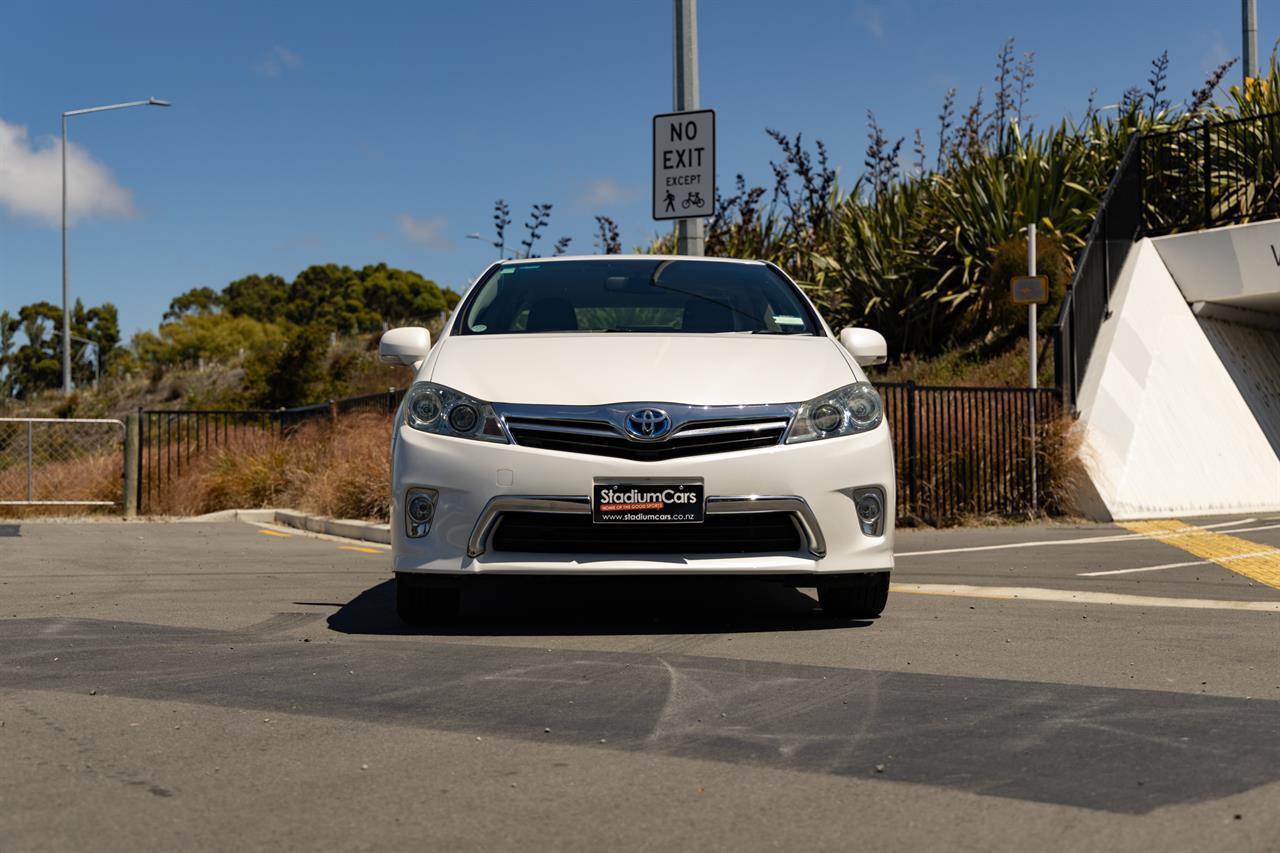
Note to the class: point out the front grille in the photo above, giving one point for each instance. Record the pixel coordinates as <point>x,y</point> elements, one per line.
<point>549,533</point>
<point>602,439</point>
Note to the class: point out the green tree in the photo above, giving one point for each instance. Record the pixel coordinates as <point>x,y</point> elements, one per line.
<point>260,297</point>
<point>8,327</point>
<point>396,297</point>
<point>214,337</point>
<point>199,300</point>
<point>324,294</point>
<point>290,376</point>
<point>37,366</point>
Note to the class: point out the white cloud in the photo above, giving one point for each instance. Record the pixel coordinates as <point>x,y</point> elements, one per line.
<point>277,61</point>
<point>429,232</point>
<point>604,192</point>
<point>31,180</point>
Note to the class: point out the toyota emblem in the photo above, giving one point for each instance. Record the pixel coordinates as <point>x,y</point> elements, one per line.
<point>648,424</point>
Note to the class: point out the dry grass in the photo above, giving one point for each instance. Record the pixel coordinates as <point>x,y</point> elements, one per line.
<point>342,470</point>
<point>337,469</point>
<point>87,478</point>
<point>972,368</point>
<point>1061,471</point>
<point>972,459</point>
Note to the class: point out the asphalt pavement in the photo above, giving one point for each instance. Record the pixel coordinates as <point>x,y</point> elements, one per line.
<point>233,686</point>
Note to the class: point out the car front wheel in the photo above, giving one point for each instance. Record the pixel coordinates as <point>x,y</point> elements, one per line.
<point>856,597</point>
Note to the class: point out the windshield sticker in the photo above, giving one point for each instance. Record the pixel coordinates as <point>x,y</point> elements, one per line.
<point>479,327</point>
<point>787,320</point>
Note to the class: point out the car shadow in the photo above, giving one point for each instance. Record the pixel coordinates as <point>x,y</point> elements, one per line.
<point>593,606</point>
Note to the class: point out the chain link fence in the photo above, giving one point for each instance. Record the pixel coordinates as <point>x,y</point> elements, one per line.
<point>61,462</point>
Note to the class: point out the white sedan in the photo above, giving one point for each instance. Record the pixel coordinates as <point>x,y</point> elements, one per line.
<point>640,415</point>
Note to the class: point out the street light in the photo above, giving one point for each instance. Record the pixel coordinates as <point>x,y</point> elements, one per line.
<point>66,290</point>
<point>501,247</point>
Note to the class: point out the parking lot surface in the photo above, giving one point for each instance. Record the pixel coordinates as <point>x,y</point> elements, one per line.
<point>216,686</point>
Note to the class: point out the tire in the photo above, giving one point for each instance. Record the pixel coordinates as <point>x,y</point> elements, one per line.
<point>423,605</point>
<point>859,597</point>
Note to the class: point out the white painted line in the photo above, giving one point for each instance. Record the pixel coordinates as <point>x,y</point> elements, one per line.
<point>1142,569</point>
<point>1228,523</point>
<point>1030,593</point>
<point>1267,553</point>
<point>1091,540</point>
<point>1251,529</point>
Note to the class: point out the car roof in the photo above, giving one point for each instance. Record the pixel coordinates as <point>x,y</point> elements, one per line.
<point>608,258</point>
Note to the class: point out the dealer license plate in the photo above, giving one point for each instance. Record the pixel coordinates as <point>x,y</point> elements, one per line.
<point>645,501</point>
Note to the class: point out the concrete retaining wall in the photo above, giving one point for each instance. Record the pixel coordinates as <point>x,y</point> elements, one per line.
<point>1178,411</point>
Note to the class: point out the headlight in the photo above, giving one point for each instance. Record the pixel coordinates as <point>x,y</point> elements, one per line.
<point>851,409</point>
<point>444,411</point>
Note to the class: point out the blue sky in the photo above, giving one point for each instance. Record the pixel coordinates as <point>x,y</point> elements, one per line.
<point>362,132</point>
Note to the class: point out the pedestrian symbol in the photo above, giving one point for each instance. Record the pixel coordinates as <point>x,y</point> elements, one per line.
<point>671,202</point>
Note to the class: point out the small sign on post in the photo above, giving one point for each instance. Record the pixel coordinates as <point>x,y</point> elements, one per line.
<point>684,164</point>
<point>1029,290</point>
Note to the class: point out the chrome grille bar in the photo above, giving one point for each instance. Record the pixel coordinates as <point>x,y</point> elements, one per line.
<point>600,430</point>
<point>803,516</point>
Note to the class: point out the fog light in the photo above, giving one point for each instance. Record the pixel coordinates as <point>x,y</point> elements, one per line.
<point>419,509</point>
<point>869,505</point>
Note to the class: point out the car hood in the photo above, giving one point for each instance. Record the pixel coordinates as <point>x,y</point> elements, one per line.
<point>593,369</point>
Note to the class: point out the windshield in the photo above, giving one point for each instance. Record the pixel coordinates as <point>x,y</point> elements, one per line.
<point>636,295</point>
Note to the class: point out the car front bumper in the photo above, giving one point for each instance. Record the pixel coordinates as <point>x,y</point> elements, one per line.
<point>477,481</point>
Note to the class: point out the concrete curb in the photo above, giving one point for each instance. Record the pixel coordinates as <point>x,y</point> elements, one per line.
<point>259,516</point>
<point>346,528</point>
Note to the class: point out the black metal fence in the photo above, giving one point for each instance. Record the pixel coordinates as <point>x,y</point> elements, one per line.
<point>1226,173</point>
<point>1088,299</point>
<point>959,452</point>
<point>170,442</point>
<point>966,452</point>
<point>1204,176</point>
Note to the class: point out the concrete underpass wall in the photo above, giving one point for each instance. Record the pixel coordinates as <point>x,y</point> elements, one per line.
<point>1169,425</point>
<point>1251,355</point>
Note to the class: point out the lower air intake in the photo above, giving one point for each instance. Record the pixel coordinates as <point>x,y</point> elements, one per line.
<point>547,533</point>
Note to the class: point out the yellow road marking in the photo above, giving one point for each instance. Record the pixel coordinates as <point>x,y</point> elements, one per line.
<point>275,533</point>
<point>1253,560</point>
<point>361,550</point>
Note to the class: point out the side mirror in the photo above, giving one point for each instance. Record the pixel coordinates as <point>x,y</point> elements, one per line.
<point>406,345</point>
<point>866,346</point>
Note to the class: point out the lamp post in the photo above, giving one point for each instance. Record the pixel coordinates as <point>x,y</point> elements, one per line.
<point>66,289</point>
<point>501,247</point>
<point>1249,30</point>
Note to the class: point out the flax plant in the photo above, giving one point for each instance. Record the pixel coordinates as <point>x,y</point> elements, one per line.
<point>911,254</point>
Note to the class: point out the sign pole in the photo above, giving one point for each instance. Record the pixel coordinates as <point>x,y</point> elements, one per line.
<point>1032,355</point>
<point>689,235</point>
<point>1031,309</point>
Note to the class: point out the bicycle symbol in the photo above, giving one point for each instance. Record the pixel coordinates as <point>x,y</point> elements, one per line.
<point>693,199</point>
